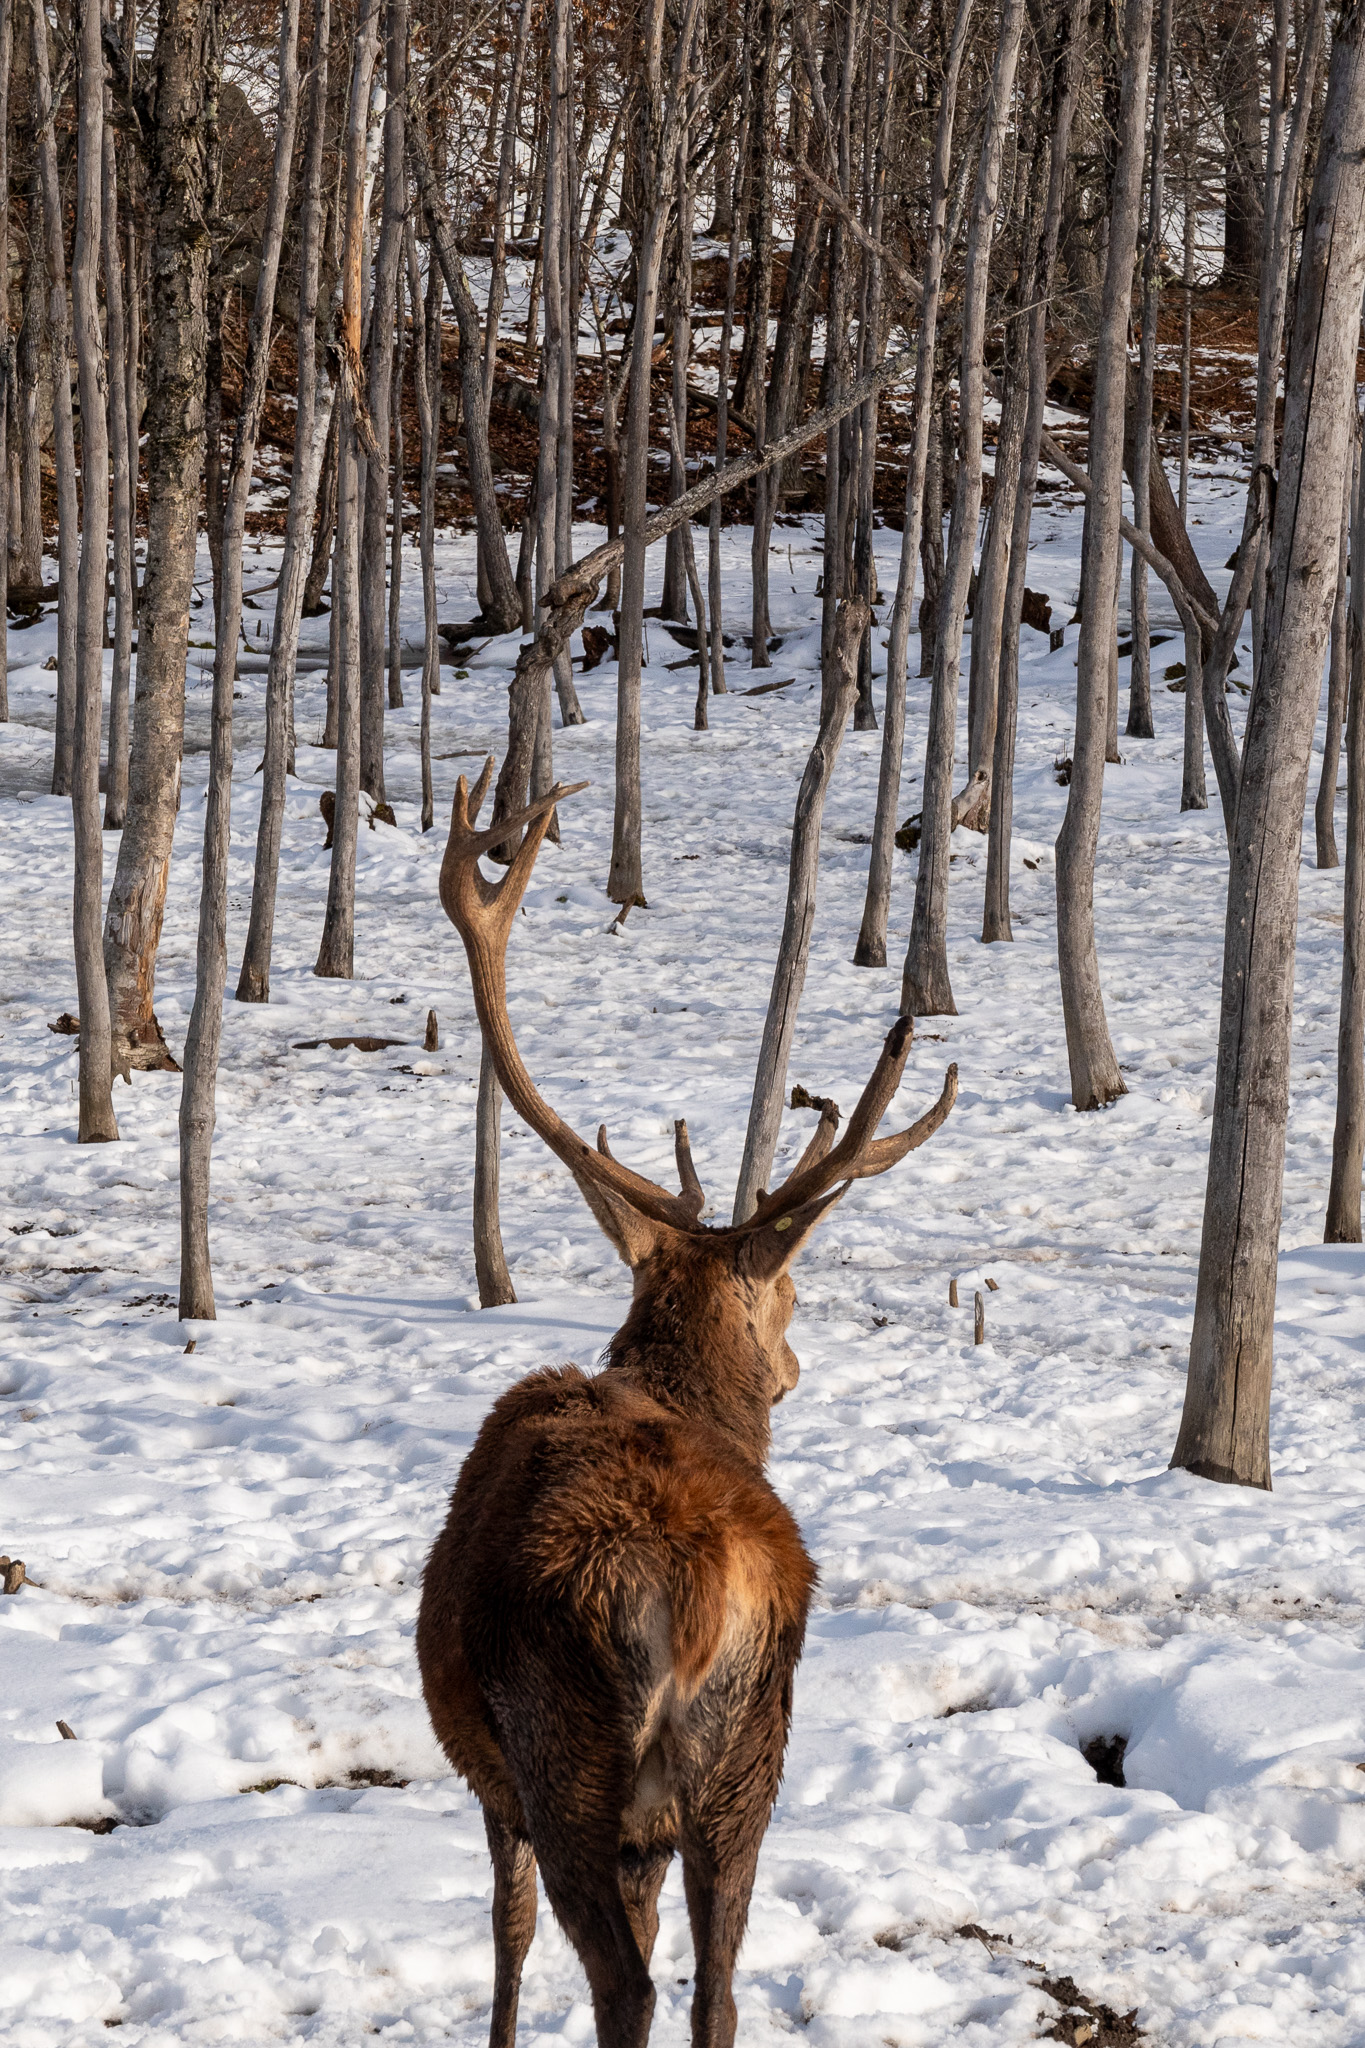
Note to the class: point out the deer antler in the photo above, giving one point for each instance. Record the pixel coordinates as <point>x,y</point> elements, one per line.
<point>858,1154</point>
<point>482,913</point>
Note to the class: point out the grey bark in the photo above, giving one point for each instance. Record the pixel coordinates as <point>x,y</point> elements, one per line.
<point>97,1123</point>
<point>28,566</point>
<point>116,786</point>
<point>1348,1137</point>
<point>379,380</point>
<point>1095,1076</point>
<point>1225,1428</point>
<point>1139,724</point>
<point>490,1265</point>
<point>336,952</point>
<point>426,345</point>
<point>312,429</point>
<point>1338,663</point>
<point>926,990</point>
<point>174,422</point>
<point>838,687</point>
<point>203,1037</point>
<point>63,431</point>
<point>870,950</point>
<point>7,363</point>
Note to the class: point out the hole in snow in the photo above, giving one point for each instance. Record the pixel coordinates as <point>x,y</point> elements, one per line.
<point>1105,1754</point>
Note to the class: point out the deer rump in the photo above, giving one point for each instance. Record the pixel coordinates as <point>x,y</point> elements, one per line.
<point>610,1623</point>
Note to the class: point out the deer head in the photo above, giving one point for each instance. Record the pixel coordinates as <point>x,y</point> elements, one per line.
<point>711,1304</point>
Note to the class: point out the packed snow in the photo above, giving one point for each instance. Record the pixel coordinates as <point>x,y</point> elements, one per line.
<point>253,1836</point>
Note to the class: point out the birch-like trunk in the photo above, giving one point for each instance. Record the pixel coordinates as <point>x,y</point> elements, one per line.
<point>1225,1428</point>
<point>312,429</point>
<point>97,1122</point>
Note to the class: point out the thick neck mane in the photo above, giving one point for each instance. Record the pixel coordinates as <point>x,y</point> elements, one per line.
<point>689,1342</point>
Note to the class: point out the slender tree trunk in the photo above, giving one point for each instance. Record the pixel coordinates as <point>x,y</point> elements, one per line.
<point>502,205</point>
<point>871,947</point>
<point>320,559</point>
<point>336,953</point>
<point>204,1035</point>
<point>839,686</point>
<point>715,577</point>
<point>490,1265</point>
<point>926,990</point>
<point>1348,1138</point>
<point>1095,1076</point>
<point>97,1123</point>
<point>6,348</point>
<point>374,550</point>
<point>116,798</point>
<point>312,428</point>
<point>28,566</point>
<point>752,391</point>
<point>426,345</point>
<point>63,431</point>
<point>174,421</point>
<point>1065,74</point>
<point>1225,1429</point>
<point>395,648</point>
<point>1140,663</point>
<point>1338,664</point>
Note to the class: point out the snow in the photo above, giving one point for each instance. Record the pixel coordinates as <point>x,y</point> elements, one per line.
<point>225,1544</point>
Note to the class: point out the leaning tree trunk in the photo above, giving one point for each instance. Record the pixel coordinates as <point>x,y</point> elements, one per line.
<point>838,688</point>
<point>204,1035</point>
<point>870,950</point>
<point>174,424</point>
<point>926,990</point>
<point>312,427</point>
<point>1095,1076</point>
<point>97,1123</point>
<point>1225,1428</point>
<point>63,430</point>
<point>1348,1138</point>
<point>336,952</point>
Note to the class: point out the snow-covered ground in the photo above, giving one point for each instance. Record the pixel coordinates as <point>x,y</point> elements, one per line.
<point>225,1544</point>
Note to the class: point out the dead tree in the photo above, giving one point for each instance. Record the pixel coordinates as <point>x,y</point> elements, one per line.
<point>1095,1076</point>
<point>97,1122</point>
<point>1225,1428</point>
<point>174,425</point>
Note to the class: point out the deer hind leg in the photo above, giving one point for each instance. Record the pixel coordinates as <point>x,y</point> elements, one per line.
<point>514,1921</point>
<point>588,1903</point>
<point>640,1874</point>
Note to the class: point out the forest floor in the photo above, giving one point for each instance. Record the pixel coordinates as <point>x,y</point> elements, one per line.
<point>225,1544</point>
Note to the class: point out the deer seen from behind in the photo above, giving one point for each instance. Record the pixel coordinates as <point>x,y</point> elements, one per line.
<point>612,1617</point>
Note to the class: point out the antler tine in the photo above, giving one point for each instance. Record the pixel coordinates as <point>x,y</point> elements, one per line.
<point>603,1147</point>
<point>692,1191</point>
<point>821,1138</point>
<point>852,1158</point>
<point>474,803</point>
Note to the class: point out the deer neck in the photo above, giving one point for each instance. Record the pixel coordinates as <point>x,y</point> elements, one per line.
<point>700,1359</point>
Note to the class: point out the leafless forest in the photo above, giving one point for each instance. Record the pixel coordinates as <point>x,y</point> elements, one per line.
<point>346,271</point>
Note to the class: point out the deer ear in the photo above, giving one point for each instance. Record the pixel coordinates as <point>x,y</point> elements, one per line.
<point>635,1236</point>
<point>770,1249</point>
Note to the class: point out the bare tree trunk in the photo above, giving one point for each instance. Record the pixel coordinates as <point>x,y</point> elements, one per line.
<point>1225,1428</point>
<point>63,431</point>
<point>1139,724</point>
<point>28,566</point>
<point>838,687</point>
<point>395,647</point>
<point>661,118</point>
<point>97,1123</point>
<point>320,559</point>
<point>116,786</point>
<point>336,953</point>
<point>490,1265</point>
<point>6,348</point>
<point>752,392</point>
<point>312,428</point>
<point>502,205</point>
<point>502,611</point>
<point>715,579</point>
<point>1338,663</point>
<point>426,345</point>
<point>1095,1076</point>
<point>1064,84</point>
<point>870,950</point>
<point>174,421</point>
<point>379,379</point>
<point>1348,1138</point>
<point>204,1035</point>
<point>926,990</point>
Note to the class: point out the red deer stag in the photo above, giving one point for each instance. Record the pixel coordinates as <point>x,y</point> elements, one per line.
<point>613,1614</point>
